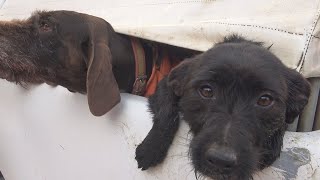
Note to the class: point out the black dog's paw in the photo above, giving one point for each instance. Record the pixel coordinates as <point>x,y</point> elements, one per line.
<point>150,153</point>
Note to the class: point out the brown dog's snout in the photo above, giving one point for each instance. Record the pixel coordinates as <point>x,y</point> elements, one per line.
<point>221,157</point>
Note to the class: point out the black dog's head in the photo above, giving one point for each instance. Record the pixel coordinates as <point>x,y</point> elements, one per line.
<point>237,98</point>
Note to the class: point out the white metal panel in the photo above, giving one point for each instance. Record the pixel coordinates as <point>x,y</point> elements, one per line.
<point>48,133</point>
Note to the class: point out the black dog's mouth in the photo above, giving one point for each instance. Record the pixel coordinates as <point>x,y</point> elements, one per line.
<point>221,158</point>
<point>228,163</point>
<point>199,175</point>
<point>217,174</point>
<point>235,173</point>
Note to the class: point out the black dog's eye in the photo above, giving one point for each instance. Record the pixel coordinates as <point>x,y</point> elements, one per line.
<point>206,91</point>
<point>265,100</point>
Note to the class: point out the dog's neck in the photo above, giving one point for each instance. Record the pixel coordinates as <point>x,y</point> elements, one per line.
<point>123,61</point>
<point>123,58</point>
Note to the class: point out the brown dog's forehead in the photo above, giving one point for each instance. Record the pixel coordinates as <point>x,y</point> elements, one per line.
<point>75,21</point>
<point>56,14</point>
<point>64,27</point>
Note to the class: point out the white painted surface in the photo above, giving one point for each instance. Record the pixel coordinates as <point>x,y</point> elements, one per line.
<point>49,134</point>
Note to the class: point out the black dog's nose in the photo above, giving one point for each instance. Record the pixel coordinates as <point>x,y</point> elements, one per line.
<point>221,157</point>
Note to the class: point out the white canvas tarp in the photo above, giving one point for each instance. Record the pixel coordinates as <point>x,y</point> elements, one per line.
<point>49,134</point>
<point>290,25</point>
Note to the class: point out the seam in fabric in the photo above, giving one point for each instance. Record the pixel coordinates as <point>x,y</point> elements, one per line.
<point>308,41</point>
<point>180,2</point>
<point>255,26</point>
<point>169,3</point>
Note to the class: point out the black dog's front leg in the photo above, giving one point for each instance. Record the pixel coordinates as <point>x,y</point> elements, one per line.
<point>154,148</point>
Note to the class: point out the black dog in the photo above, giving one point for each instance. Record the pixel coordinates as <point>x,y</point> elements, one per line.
<point>237,98</point>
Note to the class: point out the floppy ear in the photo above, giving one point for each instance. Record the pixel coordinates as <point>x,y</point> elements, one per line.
<point>178,77</point>
<point>102,88</point>
<point>298,94</point>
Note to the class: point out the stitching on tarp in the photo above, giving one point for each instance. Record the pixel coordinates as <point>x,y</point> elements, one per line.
<point>317,37</point>
<point>175,2</point>
<point>255,26</point>
<point>261,27</point>
<point>307,44</point>
<point>248,25</point>
<point>181,2</point>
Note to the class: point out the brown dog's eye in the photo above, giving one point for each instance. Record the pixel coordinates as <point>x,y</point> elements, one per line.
<point>44,27</point>
<point>206,91</point>
<point>265,100</point>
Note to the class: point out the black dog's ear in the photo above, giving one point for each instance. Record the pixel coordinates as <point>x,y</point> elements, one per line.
<point>179,76</point>
<point>298,94</point>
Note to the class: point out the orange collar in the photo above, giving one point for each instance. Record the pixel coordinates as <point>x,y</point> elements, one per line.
<point>139,86</point>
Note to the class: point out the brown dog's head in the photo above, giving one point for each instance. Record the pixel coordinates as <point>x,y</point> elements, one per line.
<point>238,99</point>
<point>61,48</point>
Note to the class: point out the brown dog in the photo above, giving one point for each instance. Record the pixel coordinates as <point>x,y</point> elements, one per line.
<point>74,50</point>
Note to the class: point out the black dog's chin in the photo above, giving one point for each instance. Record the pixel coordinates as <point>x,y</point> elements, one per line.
<point>215,176</point>
<point>238,173</point>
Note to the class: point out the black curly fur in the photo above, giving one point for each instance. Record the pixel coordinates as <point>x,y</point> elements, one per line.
<point>234,38</point>
<point>239,72</point>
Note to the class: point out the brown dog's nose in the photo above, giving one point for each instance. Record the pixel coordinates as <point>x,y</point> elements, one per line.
<point>221,157</point>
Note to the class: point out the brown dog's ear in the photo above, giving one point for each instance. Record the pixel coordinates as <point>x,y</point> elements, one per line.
<point>102,88</point>
<point>298,94</point>
<point>178,77</point>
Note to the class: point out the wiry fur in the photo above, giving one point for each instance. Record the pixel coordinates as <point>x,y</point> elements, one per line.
<point>18,63</point>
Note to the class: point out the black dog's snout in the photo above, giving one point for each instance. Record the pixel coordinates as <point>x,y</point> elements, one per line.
<point>221,157</point>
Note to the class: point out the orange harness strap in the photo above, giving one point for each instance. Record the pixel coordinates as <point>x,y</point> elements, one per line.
<point>158,73</point>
